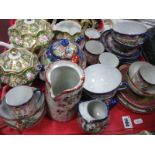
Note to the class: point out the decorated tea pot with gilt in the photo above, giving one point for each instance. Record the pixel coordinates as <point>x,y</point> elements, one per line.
<point>30,33</point>
<point>18,66</point>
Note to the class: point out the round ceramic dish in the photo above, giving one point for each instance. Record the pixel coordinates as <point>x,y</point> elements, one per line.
<point>109,59</point>
<point>92,33</point>
<point>102,80</point>
<point>93,49</point>
<point>129,33</point>
<point>93,116</point>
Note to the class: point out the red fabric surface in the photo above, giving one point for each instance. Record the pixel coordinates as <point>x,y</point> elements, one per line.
<point>115,124</point>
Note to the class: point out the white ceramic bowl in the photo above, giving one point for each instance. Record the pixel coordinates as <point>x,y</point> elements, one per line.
<point>109,59</point>
<point>102,78</point>
<point>129,28</point>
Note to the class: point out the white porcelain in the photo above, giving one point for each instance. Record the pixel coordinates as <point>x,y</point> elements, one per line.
<point>109,59</point>
<point>64,83</point>
<point>148,73</point>
<point>19,95</point>
<point>129,27</point>
<point>92,33</point>
<point>94,47</point>
<point>134,67</point>
<point>93,115</point>
<point>101,78</point>
<point>68,26</point>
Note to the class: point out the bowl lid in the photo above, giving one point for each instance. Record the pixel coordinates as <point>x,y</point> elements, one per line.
<point>94,47</point>
<point>148,73</point>
<point>63,49</point>
<point>101,78</point>
<point>16,60</point>
<point>92,33</point>
<point>18,95</point>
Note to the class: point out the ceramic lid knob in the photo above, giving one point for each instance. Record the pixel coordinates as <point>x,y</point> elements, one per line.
<point>64,42</point>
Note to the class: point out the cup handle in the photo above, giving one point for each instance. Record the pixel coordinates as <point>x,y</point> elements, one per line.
<point>123,86</point>
<point>8,46</point>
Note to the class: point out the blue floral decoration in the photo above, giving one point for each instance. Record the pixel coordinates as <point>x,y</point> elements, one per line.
<point>64,42</point>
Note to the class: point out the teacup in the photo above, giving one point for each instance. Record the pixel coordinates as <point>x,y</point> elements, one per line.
<point>129,33</point>
<point>93,49</point>
<point>92,33</point>
<point>102,81</point>
<point>109,59</point>
<point>93,116</point>
<point>143,81</point>
<point>22,101</point>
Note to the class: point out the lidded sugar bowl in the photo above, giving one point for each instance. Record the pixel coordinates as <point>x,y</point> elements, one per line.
<point>30,33</point>
<point>18,66</point>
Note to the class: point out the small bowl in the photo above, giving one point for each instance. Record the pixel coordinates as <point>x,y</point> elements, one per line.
<point>93,49</point>
<point>101,80</point>
<point>129,33</point>
<point>109,59</point>
<point>92,33</point>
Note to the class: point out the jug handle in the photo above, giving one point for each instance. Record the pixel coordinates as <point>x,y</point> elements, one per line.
<point>8,46</point>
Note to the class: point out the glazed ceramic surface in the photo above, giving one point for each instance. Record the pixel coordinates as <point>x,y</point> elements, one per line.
<point>102,81</point>
<point>21,102</point>
<point>71,30</point>
<point>129,33</point>
<point>64,49</point>
<point>64,83</point>
<point>109,59</point>
<point>30,33</point>
<point>91,33</point>
<point>92,51</point>
<point>18,66</point>
<point>93,116</point>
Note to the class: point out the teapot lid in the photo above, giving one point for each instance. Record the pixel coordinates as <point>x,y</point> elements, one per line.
<point>16,60</point>
<point>62,49</point>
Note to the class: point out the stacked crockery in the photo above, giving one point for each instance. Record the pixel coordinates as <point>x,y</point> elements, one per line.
<point>22,107</point>
<point>140,96</point>
<point>125,40</point>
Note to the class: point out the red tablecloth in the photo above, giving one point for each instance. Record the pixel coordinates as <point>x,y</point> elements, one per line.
<point>115,124</point>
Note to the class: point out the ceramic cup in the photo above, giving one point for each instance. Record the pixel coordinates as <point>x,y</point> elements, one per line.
<point>102,81</point>
<point>143,81</point>
<point>22,101</point>
<point>93,116</point>
<point>109,59</point>
<point>92,33</point>
<point>129,33</point>
<point>93,49</point>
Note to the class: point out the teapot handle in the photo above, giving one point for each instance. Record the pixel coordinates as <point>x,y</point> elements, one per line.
<point>8,46</point>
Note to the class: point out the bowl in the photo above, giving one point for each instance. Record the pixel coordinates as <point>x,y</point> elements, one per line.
<point>129,33</point>
<point>102,79</point>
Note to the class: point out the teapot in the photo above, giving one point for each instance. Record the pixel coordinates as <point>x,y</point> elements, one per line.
<point>64,83</point>
<point>18,66</point>
<point>30,33</point>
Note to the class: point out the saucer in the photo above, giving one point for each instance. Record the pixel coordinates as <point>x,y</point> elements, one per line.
<point>145,103</point>
<point>110,46</point>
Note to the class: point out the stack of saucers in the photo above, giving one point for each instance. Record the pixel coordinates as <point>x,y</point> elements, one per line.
<point>125,40</point>
<point>135,102</point>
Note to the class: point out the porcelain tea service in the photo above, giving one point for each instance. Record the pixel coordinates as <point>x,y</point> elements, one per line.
<point>18,66</point>
<point>92,50</point>
<point>64,83</point>
<point>93,116</point>
<point>22,106</point>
